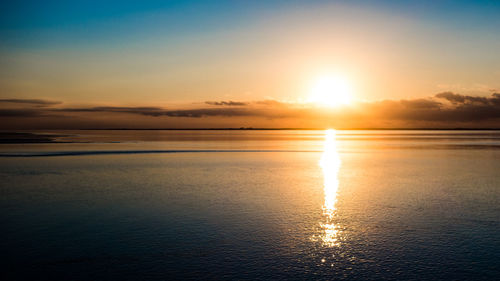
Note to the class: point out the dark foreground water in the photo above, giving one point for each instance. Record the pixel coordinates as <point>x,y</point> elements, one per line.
<point>356,205</point>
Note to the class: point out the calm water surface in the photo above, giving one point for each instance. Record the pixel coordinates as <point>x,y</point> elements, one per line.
<point>357,205</point>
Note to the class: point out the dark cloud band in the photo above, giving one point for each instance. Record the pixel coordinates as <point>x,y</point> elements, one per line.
<point>445,108</point>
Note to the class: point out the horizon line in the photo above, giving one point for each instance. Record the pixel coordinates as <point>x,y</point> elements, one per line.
<point>261,129</point>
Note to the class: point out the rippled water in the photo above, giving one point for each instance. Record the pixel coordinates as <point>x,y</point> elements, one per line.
<point>419,205</point>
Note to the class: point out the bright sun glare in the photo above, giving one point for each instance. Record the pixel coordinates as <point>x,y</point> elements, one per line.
<point>330,91</point>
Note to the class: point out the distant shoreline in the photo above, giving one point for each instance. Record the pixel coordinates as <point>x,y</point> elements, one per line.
<point>291,129</point>
<point>259,129</point>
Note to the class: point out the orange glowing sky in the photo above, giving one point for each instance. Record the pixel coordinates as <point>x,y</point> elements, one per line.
<point>179,56</point>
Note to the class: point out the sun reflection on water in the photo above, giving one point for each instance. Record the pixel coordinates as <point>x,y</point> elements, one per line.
<point>330,165</point>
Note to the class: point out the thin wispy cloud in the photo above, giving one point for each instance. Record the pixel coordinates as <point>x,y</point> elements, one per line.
<point>226,103</point>
<point>39,102</point>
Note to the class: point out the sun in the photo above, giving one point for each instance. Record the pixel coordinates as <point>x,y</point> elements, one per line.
<point>331,91</point>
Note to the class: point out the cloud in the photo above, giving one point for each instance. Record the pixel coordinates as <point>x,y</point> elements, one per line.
<point>158,111</point>
<point>462,99</point>
<point>197,113</point>
<point>271,102</point>
<point>420,104</point>
<point>20,113</point>
<point>228,103</point>
<point>152,111</point>
<point>461,108</point>
<point>30,101</point>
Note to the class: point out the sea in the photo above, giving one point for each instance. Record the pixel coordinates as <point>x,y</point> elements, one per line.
<point>250,205</point>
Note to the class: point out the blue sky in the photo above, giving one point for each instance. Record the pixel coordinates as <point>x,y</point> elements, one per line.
<point>28,23</point>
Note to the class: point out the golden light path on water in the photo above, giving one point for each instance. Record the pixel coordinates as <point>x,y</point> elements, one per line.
<point>330,165</point>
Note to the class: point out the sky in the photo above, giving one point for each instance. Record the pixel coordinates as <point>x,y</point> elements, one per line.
<point>197,64</point>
